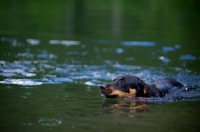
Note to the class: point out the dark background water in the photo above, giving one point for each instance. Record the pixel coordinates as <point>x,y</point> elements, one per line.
<point>55,54</point>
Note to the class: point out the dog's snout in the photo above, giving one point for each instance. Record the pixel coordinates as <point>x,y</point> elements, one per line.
<point>102,87</point>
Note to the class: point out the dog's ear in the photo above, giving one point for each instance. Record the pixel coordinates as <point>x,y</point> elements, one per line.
<point>141,86</point>
<point>142,90</point>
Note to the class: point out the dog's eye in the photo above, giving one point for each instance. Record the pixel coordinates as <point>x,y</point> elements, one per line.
<point>121,82</point>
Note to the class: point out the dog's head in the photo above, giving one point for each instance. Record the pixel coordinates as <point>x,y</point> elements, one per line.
<point>125,87</point>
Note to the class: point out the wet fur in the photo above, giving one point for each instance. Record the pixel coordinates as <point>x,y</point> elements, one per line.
<point>128,86</point>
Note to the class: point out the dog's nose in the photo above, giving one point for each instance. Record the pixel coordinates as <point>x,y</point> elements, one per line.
<point>102,87</point>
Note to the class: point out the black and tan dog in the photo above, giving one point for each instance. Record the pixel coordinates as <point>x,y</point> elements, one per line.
<point>131,86</point>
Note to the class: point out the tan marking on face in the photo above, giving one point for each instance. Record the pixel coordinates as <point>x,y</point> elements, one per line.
<point>108,91</point>
<point>132,92</point>
<point>120,94</point>
<point>121,78</point>
<point>145,91</point>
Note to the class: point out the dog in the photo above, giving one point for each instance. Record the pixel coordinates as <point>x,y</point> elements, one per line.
<point>129,86</point>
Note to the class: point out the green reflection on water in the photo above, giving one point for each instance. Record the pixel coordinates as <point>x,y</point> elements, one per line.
<point>174,21</point>
<point>163,22</point>
<point>48,108</point>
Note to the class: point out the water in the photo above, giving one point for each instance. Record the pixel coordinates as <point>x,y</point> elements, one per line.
<point>54,56</point>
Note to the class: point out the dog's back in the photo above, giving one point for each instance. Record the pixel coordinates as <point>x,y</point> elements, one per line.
<point>167,84</point>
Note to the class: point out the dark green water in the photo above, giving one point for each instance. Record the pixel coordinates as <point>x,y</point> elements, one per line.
<point>54,55</point>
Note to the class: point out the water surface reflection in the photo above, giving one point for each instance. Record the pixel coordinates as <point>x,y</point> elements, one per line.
<point>54,55</point>
<point>55,83</point>
<point>123,108</point>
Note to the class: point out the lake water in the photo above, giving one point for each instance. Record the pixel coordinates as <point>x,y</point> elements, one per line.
<point>54,56</point>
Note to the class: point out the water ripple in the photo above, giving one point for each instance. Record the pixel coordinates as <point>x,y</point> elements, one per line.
<point>49,122</point>
<point>65,42</point>
<point>187,57</point>
<point>137,43</point>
